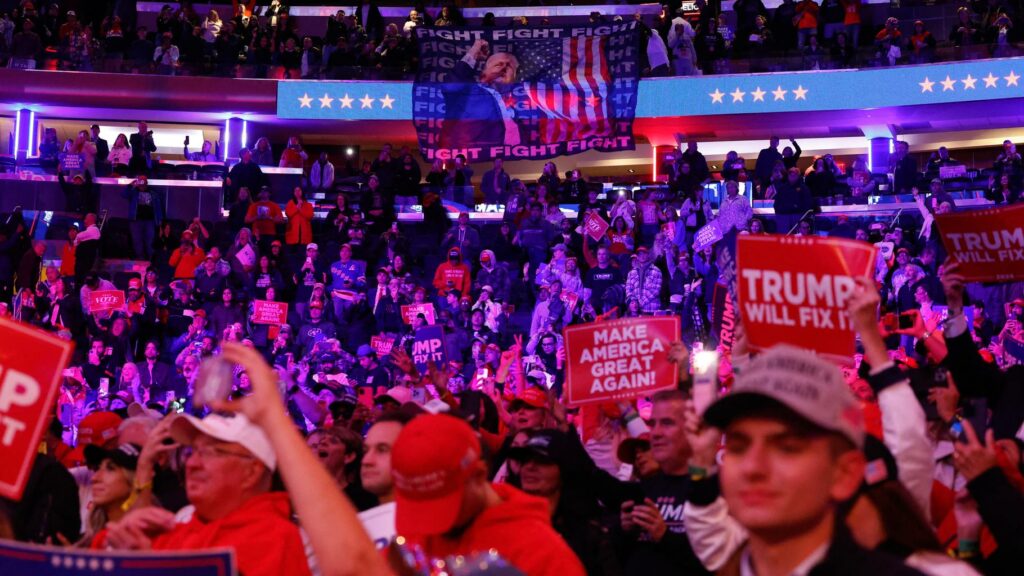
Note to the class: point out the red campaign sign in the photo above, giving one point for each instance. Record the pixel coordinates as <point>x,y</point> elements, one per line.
<point>104,300</point>
<point>620,359</point>
<point>570,299</point>
<point>595,226</point>
<point>31,362</point>
<point>267,312</point>
<point>989,244</point>
<point>796,290</point>
<point>411,310</point>
<point>381,345</point>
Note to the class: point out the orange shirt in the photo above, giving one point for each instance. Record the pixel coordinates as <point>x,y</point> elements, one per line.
<point>266,214</point>
<point>185,264</point>
<point>851,14</point>
<point>807,14</point>
<point>67,260</point>
<point>300,223</point>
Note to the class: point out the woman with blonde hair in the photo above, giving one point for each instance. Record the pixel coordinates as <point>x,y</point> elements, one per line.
<point>120,155</point>
<point>113,489</point>
<point>211,28</point>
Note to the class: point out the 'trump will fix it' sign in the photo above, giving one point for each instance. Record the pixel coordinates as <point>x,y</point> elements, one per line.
<point>796,289</point>
<point>988,244</point>
<point>620,359</point>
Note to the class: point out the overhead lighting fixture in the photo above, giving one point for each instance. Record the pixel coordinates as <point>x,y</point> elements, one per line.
<point>17,133</point>
<point>227,137</point>
<point>349,151</point>
<point>31,133</point>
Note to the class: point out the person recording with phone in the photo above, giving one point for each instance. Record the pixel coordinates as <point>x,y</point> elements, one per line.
<point>142,146</point>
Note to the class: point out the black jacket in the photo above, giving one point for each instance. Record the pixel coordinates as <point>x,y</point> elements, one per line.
<point>49,505</point>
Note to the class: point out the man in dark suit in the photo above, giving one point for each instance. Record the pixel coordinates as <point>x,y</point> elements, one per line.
<point>102,150</point>
<point>477,114</point>
<point>154,375</point>
<point>142,146</point>
<point>495,183</point>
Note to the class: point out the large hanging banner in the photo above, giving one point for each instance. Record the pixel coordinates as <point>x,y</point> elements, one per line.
<point>526,93</point>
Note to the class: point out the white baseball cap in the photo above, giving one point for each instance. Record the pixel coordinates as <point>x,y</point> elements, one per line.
<point>235,428</point>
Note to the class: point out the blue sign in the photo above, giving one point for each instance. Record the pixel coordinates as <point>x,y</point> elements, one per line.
<point>975,80</point>
<point>20,558</point>
<point>344,100</point>
<point>429,346</point>
<point>1014,348</point>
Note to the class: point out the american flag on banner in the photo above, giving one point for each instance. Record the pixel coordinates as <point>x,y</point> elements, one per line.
<point>568,79</point>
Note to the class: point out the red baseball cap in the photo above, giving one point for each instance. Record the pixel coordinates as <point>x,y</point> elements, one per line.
<point>533,397</point>
<point>98,428</point>
<point>431,461</point>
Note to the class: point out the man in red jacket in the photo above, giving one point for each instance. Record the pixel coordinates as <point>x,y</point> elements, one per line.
<point>227,480</point>
<point>453,274</point>
<point>446,505</point>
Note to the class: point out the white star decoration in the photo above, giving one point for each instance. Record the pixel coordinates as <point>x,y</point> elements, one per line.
<point>970,82</point>
<point>327,101</point>
<point>758,94</point>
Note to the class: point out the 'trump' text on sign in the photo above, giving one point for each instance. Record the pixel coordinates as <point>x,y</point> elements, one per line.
<point>988,244</point>
<point>795,290</point>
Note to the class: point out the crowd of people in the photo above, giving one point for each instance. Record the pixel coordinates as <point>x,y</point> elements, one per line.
<point>261,41</point>
<point>187,421</point>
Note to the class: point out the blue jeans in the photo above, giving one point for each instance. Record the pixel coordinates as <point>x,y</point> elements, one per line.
<point>143,232</point>
<point>853,33</point>
<point>832,28</point>
<point>803,36</point>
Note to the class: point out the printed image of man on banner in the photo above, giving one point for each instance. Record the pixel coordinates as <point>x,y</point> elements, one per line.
<point>478,106</point>
<point>526,93</point>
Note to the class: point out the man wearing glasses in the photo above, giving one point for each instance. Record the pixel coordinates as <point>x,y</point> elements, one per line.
<point>228,476</point>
